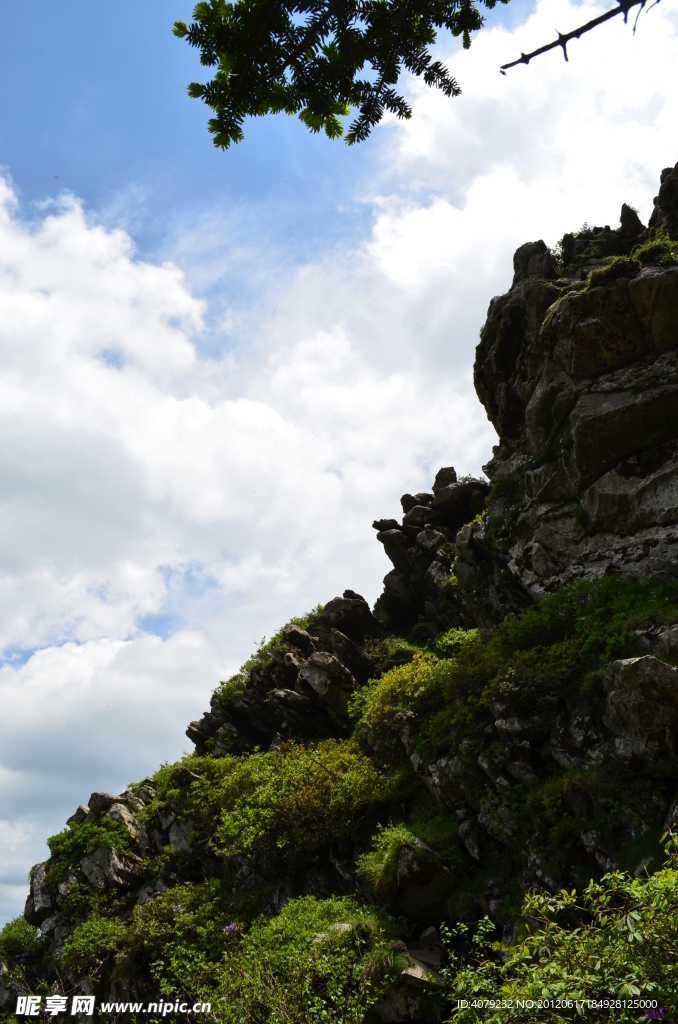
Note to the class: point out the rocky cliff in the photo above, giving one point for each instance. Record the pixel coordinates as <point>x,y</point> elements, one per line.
<point>512,699</point>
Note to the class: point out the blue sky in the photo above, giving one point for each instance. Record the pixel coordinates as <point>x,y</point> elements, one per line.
<point>98,97</point>
<point>216,369</point>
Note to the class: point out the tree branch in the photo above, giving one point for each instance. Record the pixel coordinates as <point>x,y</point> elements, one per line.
<point>624,6</point>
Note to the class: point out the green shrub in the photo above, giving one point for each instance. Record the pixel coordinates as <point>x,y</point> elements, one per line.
<point>319,960</point>
<point>180,936</point>
<point>285,805</point>
<point>300,800</point>
<point>378,867</point>
<point>18,936</point>
<point>93,945</point>
<point>617,940</point>
<point>68,847</point>
<point>454,640</point>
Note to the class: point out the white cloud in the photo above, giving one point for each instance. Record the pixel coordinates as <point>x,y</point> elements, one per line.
<point>84,717</point>
<point>149,487</point>
<point>533,153</point>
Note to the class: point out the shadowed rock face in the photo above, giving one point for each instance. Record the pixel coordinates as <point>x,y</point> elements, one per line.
<point>578,372</point>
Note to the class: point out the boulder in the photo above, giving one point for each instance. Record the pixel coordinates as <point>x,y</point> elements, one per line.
<point>329,679</point>
<point>299,638</point>
<point>40,902</point>
<point>420,515</point>
<point>99,802</point>
<point>430,539</point>
<point>121,812</point>
<point>79,816</point>
<point>351,615</point>
<point>380,525</point>
<point>453,502</point>
<point>533,259</point>
<point>642,707</point>
<point>305,717</point>
<point>396,544</point>
<point>351,654</point>
<point>106,868</point>
<point>410,501</point>
<point>631,224</point>
<point>444,476</point>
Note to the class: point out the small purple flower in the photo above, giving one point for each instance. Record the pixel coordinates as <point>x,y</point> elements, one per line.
<point>232,927</point>
<point>654,1014</point>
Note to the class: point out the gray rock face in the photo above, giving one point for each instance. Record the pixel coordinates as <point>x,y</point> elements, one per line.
<point>642,707</point>
<point>79,816</point>
<point>106,868</point>
<point>121,812</point>
<point>351,614</point>
<point>578,372</point>
<point>40,903</point>
<point>329,679</point>
<point>180,834</point>
<point>99,802</point>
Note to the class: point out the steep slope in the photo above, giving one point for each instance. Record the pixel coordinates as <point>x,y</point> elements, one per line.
<point>505,719</point>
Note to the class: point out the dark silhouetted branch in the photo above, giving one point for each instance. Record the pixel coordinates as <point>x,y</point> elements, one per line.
<point>623,7</point>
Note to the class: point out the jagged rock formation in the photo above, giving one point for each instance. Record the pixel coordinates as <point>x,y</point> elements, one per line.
<point>577,368</point>
<point>300,690</point>
<point>422,551</point>
<point>578,372</point>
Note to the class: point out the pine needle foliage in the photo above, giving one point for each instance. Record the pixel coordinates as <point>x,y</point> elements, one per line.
<point>320,59</point>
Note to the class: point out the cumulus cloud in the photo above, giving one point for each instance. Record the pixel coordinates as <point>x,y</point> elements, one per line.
<point>181,475</point>
<point>161,510</point>
<point>533,153</point>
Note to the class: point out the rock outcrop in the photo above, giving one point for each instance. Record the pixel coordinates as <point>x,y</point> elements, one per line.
<point>578,370</point>
<point>301,685</point>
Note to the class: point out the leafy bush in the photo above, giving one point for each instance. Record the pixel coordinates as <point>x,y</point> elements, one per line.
<point>617,940</point>
<point>553,651</point>
<point>172,944</point>
<point>93,945</point>
<point>304,798</point>
<point>378,867</point>
<point>69,846</point>
<point>319,960</point>
<point>284,805</point>
<point>18,936</point>
<point>455,640</point>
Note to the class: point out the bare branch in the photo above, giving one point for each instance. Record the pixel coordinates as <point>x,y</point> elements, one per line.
<point>623,7</point>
